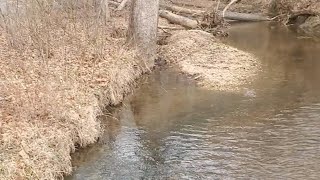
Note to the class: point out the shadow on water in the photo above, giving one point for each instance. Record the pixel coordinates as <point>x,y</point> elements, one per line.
<point>171,129</point>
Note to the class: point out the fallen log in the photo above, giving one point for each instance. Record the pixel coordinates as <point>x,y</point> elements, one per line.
<point>171,28</point>
<point>244,16</point>
<point>181,9</point>
<point>186,4</point>
<point>227,15</point>
<point>176,19</point>
<point>193,24</point>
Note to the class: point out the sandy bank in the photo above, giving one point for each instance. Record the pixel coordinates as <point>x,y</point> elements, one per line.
<point>213,64</point>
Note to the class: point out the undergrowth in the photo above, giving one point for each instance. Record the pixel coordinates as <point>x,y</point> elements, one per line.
<point>61,62</point>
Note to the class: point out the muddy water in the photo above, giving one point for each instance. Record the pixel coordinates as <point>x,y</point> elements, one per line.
<point>171,129</point>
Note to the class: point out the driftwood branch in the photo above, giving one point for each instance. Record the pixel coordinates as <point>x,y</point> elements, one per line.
<point>176,19</point>
<point>226,14</point>
<point>227,7</point>
<point>185,4</point>
<point>244,17</point>
<point>114,3</point>
<point>296,14</point>
<point>171,28</point>
<point>122,5</point>
<point>181,9</point>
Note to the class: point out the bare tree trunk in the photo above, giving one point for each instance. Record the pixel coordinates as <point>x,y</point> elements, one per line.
<point>142,33</point>
<point>105,9</point>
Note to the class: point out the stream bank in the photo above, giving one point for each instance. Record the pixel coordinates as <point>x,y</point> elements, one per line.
<point>48,112</point>
<point>52,95</point>
<point>137,141</point>
<point>50,98</point>
<point>181,131</point>
<point>303,14</point>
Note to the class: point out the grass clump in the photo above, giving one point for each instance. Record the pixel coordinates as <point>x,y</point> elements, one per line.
<point>61,62</point>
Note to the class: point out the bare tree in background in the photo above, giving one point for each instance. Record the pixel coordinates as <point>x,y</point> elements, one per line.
<point>142,33</point>
<point>105,9</point>
<point>102,6</point>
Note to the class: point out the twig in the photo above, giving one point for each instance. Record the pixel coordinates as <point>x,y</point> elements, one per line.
<point>122,5</point>
<point>114,3</point>
<point>172,28</point>
<point>227,7</point>
<point>218,5</point>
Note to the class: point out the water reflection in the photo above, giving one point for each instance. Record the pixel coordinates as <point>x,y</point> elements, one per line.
<point>171,129</point>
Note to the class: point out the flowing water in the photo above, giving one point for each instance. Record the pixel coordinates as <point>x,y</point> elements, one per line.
<point>172,129</point>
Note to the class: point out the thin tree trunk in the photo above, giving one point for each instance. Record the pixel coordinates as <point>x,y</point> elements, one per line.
<point>105,9</point>
<point>143,26</point>
<point>102,7</point>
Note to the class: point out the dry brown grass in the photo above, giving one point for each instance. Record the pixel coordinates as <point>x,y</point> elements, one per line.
<point>250,6</point>
<point>297,12</point>
<point>215,65</point>
<point>289,6</point>
<point>58,68</point>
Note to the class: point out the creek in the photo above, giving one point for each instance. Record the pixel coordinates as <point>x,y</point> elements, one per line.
<point>172,129</point>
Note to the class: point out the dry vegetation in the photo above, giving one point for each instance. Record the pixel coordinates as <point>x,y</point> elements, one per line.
<point>302,13</point>
<point>290,6</point>
<point>61,62</point>
<point>215,65</point>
